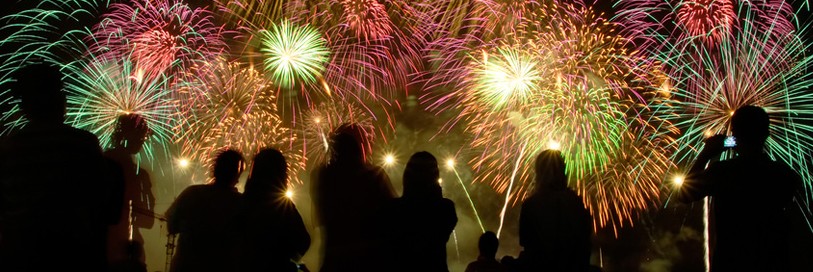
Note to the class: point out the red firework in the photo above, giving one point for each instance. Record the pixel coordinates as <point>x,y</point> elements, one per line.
<point>157,35</point>
<point>707,18</point>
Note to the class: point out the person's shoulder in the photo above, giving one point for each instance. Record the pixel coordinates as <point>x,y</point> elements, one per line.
<point>446,203</point>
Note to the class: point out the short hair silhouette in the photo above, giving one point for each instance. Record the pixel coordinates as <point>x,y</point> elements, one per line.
<point>349,143</point>
<point>269,173</point>
<point>488,244</point>
<point>131,132</point>
<point>550,171</point>
<point>421,177</point>
<point>750,125</point>
<point>227,168</point>
<point>39,88</point>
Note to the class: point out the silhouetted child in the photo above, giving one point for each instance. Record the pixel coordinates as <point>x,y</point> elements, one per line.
<point>53,192</point>
<point>274,236</point>
<point>205,219</point>
<point>422,220</point>
<point>348,194</point>
<point>751,196</point>
<point>487,261</point>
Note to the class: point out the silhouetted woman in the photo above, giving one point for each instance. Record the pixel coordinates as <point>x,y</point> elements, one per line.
<point>348,195</point>
<point>275,235</point>
<point>423,219</point>
<point>554,226</point>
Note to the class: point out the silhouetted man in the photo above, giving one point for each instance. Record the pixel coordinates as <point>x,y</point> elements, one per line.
<point>52,190</point>
<point>205,218</point>
<point>554,226</point>
<point>135,188</point>
<point>751,195</point>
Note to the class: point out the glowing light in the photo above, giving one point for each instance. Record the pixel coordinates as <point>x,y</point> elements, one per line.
<point>289,194</point>
<point>678,180</point>
<point>450,163</point>
<point>389,159</point>
<point>183,163</point>
<point>555,145</point>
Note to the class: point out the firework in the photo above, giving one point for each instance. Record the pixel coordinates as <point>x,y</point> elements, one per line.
<point>567,79</point>
<point>100,91</point>
<point>47,32</point>
<point>157,35</point>
<point>753,68</point>
<point>658,22</point>
<point>293,54</point>
<point>258,14</point>
<point>709,18</point>
<point>375,45</point>
<point>233,106</point>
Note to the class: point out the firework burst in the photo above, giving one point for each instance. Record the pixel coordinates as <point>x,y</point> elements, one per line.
<point>293,54</point>
<point>710,22</point>
<point>100,91</point>
<point>157,35</point>
<point>375,45</point>
<point>233,106</point>
<point>588,107</point>
<point>753,68</point>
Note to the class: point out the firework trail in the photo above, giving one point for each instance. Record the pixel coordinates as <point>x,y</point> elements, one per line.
<point>158,35</point>
<point>99,91</point>
<point>230,105</point>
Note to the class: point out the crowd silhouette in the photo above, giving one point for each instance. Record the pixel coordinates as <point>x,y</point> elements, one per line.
<point>62,197</point>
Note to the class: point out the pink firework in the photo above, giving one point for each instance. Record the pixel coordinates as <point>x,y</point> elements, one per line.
<point>157,35</point>
<point>376,45</point>
<point>707,18</point>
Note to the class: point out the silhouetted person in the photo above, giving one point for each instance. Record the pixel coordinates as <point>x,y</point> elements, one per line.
<point>348,195</point>
<point>136,188</point>
<point>205,219</point>
<point>554,226</point>
<point>274,235</point>
<point>487,261</point>
<point>52,190</point>
<point>751,195</point>
<point>422,219</point>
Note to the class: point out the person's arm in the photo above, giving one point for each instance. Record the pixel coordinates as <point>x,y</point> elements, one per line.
<point>697,183</point>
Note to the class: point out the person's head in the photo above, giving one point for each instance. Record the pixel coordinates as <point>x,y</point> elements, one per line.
<point>39,88</point>
<point>131,133</point>
<point>750,127</point>
<point>228,166</point>
<point>550,171</point>
<point>269,174</point>
<point>421,177</point>
<point>488,244</point>
<point>349,144</point>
